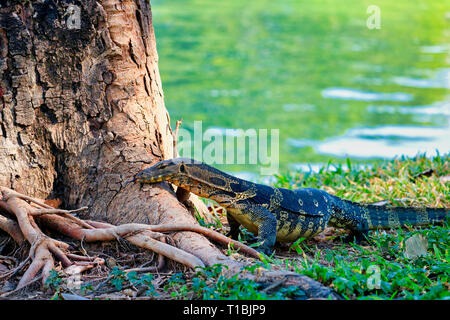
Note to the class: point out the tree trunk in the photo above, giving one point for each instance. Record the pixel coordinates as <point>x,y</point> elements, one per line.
<point>83,111</point>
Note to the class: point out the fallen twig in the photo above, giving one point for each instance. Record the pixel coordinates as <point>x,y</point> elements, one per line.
<point>22,287</point>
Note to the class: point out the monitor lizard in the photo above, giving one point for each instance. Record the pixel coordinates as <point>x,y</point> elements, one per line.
<point>278,214</point>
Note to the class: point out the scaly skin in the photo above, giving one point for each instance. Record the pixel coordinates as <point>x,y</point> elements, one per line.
<point>277,214</point>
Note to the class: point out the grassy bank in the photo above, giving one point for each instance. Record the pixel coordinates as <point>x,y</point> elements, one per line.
<point>379,270</point>
<point>349,269</point>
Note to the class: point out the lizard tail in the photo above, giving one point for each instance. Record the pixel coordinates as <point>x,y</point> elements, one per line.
<point>390,217</point>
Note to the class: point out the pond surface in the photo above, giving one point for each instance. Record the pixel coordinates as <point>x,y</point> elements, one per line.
<point>313,70</point>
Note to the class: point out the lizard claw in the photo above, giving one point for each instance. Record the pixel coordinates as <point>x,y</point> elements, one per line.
<point>132,180</point>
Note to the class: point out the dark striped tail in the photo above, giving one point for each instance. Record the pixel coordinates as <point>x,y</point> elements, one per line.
<point>391,217</point>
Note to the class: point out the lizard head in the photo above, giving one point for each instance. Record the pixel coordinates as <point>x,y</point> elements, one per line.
<point>165,170</point>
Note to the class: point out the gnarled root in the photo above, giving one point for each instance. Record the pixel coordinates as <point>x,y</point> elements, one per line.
<point>43,260</point>
<point>43,248</point>
<point>11,227</point>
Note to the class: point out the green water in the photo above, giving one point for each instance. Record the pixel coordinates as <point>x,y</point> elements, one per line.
<point>312,69</point>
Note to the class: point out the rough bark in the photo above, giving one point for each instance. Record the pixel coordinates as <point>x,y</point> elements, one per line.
<point>83,112</point>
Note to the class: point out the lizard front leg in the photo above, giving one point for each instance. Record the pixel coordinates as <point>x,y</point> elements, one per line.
<point>234,227</point>
<point>266,222</point>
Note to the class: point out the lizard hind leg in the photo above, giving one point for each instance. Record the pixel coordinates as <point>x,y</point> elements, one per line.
<point>357,236</point>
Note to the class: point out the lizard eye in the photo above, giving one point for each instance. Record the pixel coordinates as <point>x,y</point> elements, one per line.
<point>162,166</point>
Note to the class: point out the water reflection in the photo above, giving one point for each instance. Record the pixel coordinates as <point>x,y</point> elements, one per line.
<point>437,109</point>
<point>313,70</point>
<point>434,49</point>
<point>353,94</point>
<point>440,80</point>
<point>383,142</point>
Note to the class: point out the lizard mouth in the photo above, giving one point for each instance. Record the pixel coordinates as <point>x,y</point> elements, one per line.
<point>152,178</point>
<point>158,173</point>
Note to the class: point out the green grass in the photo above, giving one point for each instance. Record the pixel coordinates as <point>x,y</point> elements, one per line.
<point>390,180</point>
<point>381,271</point>
<point>349,269</point>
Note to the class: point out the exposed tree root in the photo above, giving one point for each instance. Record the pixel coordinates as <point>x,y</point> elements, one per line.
<point>161,264</point>
<point>44,249</point>
<point>11,227</point>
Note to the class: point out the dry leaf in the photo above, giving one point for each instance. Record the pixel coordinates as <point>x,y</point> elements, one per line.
<point>416,246</point>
